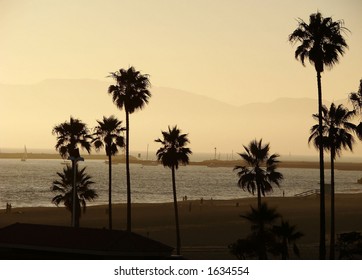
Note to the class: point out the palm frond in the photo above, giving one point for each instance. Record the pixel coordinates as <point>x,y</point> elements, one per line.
<point>356,98</point>
<point>255,175</point>
<point>321,41</point>
<point>337,130</point>
<point>173,151</point>
<point>108,134</point>
<point>131,91</point>
<point>70,135</point>
<point>64,187</point>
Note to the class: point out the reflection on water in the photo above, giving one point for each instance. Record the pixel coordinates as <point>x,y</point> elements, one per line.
<point>28,183</point>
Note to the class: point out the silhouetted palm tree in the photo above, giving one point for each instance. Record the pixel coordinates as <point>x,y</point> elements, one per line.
<point>108,134</point>
<point>261,219</point>
<point>65,188</point>
<point>171,154</point>
<point>245,248</point>
<point>130,93</point>
<point>261,172</point>
<point>321,42</point>
<point>337,135</point>
<point>70,135</point>
<point>356,98</point>
<point>287,235</point>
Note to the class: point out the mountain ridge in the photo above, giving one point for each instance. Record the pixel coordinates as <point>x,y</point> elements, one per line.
<point>31,111</point>
<point>60,82</point>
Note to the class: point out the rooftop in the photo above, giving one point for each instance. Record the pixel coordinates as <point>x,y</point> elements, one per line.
<point>59,242</point>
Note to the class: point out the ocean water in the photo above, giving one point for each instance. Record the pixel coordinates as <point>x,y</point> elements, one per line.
<point>28,184</point>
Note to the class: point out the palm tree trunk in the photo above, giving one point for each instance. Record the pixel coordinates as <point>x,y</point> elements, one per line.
<point>129,222</point>
<point>332,239</point>
<point>285,254</point>
<point>73,199</point>
<point>178,239</point>
<point>262,242</point>
<point>322,214</point>
<point>77,217</point>
<point>110,191</point>
<point>74,195</point>
<point>262,248</point>
<point>259,196</point>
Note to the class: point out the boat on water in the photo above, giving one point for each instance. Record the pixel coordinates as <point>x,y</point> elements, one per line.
<point>25,155</point>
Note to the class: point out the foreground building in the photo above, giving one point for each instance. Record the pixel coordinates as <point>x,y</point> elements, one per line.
<point>34,241</point>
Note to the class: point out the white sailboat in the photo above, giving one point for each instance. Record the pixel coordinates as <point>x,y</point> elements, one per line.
<point>25,155</point>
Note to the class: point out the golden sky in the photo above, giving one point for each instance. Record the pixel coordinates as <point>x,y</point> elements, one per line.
<point>235,51</point>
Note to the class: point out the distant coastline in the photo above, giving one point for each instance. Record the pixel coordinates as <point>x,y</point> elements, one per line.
<point>209,163</point>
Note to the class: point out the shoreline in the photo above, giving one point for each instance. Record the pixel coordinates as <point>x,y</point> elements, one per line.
<point>251,200</point>
<point>194,201</point>
<point>351,166</point>
<point>207,228</point>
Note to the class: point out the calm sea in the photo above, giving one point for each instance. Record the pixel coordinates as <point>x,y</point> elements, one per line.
<point>27,184</point>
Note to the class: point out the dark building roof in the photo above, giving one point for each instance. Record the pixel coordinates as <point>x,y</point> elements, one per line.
<point>34,241</point>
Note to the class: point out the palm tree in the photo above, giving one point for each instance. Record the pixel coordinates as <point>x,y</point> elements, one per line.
<point>130,93</point>
<point>260,219</point>
<point>107,134</point>
<point>266,236</point>
<point>288,235</point>
<point>70,135</point>
<point>336,135</point>
<point>171,154</point>
<point>260,174</point>
<point>356,98</point>
<point>244,248</point>
<point>64,186</point>
<point>321,42</point>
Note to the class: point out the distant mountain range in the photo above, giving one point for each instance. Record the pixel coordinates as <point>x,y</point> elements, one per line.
<point>29,112</point>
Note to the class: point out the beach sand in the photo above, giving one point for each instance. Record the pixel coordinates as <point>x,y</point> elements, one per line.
<point>208,227</point>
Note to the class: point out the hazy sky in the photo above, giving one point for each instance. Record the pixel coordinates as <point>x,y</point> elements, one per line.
<point>236,51</point>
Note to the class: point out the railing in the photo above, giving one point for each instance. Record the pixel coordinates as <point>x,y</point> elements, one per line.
<point>307,193</point>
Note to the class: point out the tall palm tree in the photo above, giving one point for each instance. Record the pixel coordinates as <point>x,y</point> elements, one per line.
<point>337,134</point>
<point>261,219</point>
<point>321,42</point>
<point>71,135</point>
<point>288,235</point>
<point>108,134</point>
<point>131,93</point>
<point>260,174</point>
<point>64,186</point>
<point>171,154</point>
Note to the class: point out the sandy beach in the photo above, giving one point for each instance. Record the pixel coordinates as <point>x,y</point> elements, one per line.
<point>208,227</point>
